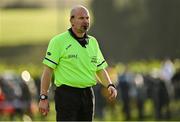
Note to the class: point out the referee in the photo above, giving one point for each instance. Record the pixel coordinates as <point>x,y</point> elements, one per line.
<point>75,59</point>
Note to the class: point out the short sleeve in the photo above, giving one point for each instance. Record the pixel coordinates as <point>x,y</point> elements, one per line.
<point>101,62</point>
<point>52,54</point>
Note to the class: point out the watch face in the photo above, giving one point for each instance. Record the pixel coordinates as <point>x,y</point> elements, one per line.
<point>42,97</point>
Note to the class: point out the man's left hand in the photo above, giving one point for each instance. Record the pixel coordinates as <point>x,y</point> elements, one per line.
<point>112,92</point>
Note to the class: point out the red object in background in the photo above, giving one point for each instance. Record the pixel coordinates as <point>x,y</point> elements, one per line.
<point>2,97</point>
<point>8,110</point>
<point>5,108</point>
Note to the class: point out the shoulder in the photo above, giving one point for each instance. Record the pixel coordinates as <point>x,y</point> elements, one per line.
<point>92,37</point>
<point>93,41</point>
<point>59,41</point>
<point>60,37</point>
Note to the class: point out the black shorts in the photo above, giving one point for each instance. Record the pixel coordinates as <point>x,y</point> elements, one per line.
<point>74,104</point>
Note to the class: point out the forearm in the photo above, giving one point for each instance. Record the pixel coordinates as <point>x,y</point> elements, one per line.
<point>104,78</point>
<point>45,80</point>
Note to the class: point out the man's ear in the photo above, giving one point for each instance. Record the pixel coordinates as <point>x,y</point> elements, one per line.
<point>71,20</point>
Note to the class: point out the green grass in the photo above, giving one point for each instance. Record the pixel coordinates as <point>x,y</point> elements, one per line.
<point>110,113</point>
<point>22,26</point>
<point>32,26</point>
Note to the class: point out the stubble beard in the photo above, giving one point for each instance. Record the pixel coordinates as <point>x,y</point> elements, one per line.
<point>84,28</point>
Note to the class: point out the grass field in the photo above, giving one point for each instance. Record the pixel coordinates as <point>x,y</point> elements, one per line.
<point>32,26</point>
<point>109,113</point>
<point>19,26</point>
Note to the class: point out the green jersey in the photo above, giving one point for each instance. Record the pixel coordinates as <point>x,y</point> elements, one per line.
<point>73,64</point>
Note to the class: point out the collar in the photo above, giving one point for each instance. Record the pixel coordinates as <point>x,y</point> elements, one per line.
<point>83,41</point>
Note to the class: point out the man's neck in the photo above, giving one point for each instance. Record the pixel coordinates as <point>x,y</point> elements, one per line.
<point>80,35</point>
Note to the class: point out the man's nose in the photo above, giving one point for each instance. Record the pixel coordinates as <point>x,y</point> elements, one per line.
<point>86,20</point>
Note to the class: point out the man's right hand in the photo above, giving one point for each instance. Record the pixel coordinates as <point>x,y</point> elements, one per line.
<point>44,107</point>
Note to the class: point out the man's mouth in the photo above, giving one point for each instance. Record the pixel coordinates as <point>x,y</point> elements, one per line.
<point>85,27</point>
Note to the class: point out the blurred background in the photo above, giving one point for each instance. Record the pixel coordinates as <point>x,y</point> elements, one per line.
<point>139,38</point>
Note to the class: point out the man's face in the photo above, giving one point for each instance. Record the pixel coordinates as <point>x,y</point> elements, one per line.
<point>80,21</point>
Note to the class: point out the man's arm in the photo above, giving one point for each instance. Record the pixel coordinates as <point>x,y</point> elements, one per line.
<point>106,81</point>
<point>45,83</point>
<point>103,77</point>
<point>46,79</point>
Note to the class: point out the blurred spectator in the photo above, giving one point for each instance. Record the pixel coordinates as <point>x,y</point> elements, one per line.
<point>159,94</point>
<point>5,107</point>
<point>176,84</point>
<point>124,82</point>
<point>161,100</point>
<point>167,70</point>
<point>166,73</point>
<point>17,98</point>
<point>141,94</point>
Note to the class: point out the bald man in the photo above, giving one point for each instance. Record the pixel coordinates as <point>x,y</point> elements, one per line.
<point>75,59</point>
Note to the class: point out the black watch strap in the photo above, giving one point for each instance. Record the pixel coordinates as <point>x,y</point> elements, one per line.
<point>43,97</point>
<point>111,85</point>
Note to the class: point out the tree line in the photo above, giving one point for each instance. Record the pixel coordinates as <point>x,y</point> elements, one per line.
<point>141,29</point>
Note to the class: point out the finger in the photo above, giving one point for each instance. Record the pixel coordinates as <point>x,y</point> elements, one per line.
<point>40,110</point>
<point>110,91</point>
<point>45,113</point>
<point>113,95</point>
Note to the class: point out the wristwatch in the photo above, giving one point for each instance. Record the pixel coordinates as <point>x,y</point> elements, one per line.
<point>43,97</point>
<point>111,85</point>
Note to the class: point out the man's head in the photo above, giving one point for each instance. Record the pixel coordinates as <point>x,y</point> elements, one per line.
<point>80,19</point>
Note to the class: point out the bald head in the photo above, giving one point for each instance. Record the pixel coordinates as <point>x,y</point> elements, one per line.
<point>79,8</point>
